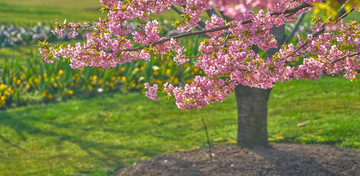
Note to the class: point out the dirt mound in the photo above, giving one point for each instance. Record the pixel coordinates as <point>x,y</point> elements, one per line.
<point>278,159</point>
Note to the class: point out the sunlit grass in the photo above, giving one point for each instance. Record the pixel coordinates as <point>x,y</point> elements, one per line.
<point>99,135</point>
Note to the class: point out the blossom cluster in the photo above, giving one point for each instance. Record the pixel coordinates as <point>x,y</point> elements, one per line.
<point>226,54</point>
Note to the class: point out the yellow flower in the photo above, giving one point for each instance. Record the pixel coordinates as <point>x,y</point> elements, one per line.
<point>43,94</point>
<point>70,92</point>
<point>176,81</point>
<point>93,82</point>
<point>156,72</point>
<point>112,84</point>
<point>122,69</point>
<point>135,70</point>
<point>72,84</point>
<point>2,86</point>
<point>118,77</point>
<point>90,88</point>
<point>37,81</point>
<point>2,101</point>
<point>142,68</point>
<point>28,86</point>
<point>10,89</point>
<point>61,72</point>
<point>113,78</point>
<point>101,81</point>
<point>186,65</point>
<point>271,139</point>
<point>123,78</point>
<point>56,85</point>
<point>280,137</point>
<point>139,86</point>
<point>132,84</point>
<point>168,72</point>
<point>50,96</point>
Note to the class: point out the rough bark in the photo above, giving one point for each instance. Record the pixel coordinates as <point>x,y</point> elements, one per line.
<point>252,106</point>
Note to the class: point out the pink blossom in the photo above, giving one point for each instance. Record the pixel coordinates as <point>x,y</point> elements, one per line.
<point>152,91</point>
<point>226,55</point>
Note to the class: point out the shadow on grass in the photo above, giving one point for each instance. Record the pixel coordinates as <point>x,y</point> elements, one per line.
<point>32,128</point>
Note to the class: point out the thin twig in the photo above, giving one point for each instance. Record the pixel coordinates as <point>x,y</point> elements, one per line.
<point>226,39</point>
<point>200,25</point>
<point>318,33</point>
<point>208,140</point>
<point>315,35</point>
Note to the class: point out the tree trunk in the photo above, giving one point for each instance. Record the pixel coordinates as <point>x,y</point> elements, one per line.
<point>252,106</point>
<point>252,115</point>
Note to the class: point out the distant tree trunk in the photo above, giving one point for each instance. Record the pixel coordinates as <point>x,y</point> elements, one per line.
<point>252,106</point>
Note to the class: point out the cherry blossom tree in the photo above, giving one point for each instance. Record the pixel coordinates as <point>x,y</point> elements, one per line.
<point>235,37</point>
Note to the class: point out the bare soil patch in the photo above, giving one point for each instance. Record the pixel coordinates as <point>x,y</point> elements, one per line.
<point>277,159</point>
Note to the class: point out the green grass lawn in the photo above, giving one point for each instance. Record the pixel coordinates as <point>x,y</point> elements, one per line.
<point>31,12</point>
<point>100,135</point>
<point>28,13</point>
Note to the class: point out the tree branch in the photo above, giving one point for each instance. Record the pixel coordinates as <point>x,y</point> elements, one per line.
<point>344,57</point>
<point>342,14</point>
<point>288,11</point>
<point>180,36</point>
<point>211,12</point>
<point>295,29</point>
<point>293,10</point>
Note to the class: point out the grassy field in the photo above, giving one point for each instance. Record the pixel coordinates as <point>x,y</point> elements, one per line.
<point>28,13</point>
<point>99,135</point>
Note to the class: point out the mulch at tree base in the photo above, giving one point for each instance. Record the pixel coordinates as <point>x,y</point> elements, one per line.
<point>277,159</point>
